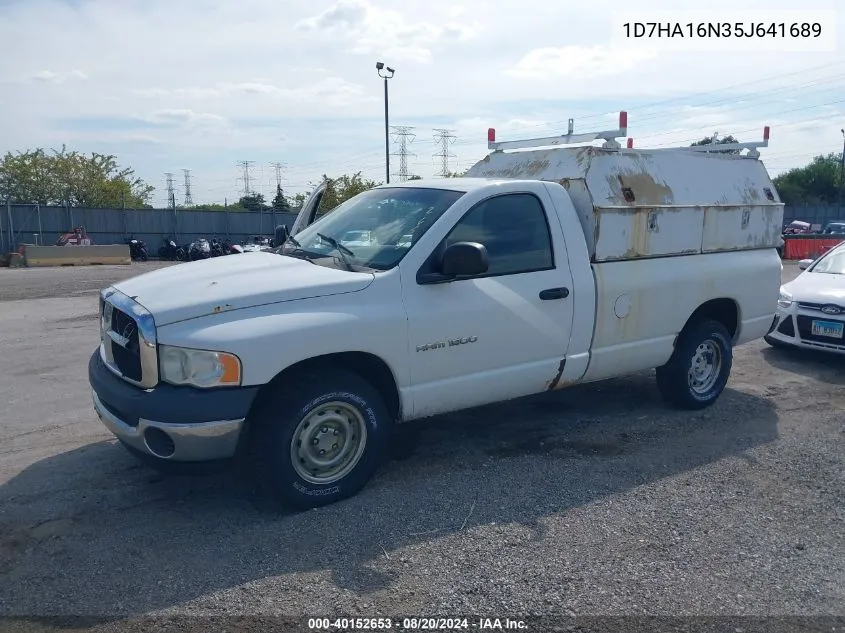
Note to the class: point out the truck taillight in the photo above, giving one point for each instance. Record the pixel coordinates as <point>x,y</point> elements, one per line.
<point>491,135</point>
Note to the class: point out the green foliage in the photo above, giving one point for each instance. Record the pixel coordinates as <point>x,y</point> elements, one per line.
<point>815,183</point>
<point>62,177</point>
<point>340,189</point>
<point>280,202</point>
<point>414,177</point>
<point>253,202</point>
<point>715,140</point>
<point>457,174</point>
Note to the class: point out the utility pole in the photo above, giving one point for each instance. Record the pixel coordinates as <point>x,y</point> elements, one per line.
<point>443,138</point>
<point>245,165</point>
<point>189,201</point>
<point>388,74</point>
<point>403,133</point>
<point>171,197</point>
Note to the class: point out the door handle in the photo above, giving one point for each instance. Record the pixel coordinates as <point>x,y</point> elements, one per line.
<point>554,293</point>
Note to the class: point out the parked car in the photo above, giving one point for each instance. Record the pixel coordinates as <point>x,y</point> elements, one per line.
<point>834,228</point>
<point>541,270</point>
<point>811,307</point>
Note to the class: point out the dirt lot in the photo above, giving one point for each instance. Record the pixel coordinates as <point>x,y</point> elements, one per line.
<point>596,500</point>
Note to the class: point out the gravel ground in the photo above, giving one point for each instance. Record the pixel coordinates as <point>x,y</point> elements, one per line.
<point>598,500</point>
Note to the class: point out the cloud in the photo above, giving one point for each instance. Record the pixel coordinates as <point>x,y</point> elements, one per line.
<point>578,61</point>
<point>48,76</point>
<point>370,30</point>
<point>185,117</point>
<point>330,90</point>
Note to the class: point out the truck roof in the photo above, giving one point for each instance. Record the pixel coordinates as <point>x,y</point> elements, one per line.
<point>463,184</point>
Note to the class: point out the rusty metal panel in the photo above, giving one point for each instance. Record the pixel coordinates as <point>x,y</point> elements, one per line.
<point>652,203</point>
<point>741,227</point>
<point>647,232</point>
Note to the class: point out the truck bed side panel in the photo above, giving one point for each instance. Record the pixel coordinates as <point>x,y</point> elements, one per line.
<point>642,305</point>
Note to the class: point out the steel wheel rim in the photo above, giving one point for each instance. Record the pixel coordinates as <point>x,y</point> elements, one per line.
<point>338,430</point>
<point>706,367</point>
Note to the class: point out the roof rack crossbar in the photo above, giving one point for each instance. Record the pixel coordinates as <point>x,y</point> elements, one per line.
<point>569,138</point>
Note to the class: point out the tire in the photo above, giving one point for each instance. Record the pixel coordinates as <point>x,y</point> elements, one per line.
<point>674,379</point>
<point>181,255</point>
<point>287,425</point>
<point>143,256</point>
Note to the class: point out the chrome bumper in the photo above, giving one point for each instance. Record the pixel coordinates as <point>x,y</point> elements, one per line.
<point>206,441</point>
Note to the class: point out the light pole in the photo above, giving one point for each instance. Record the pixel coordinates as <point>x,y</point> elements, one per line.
<point>388,73</point>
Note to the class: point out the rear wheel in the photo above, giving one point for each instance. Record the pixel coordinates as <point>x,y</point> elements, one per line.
<point>322,439</point>
<point>700,366</point>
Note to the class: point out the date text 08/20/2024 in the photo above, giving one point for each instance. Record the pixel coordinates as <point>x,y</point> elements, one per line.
<point>416,624</point>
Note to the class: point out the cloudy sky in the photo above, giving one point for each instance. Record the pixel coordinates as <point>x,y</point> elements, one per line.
<point>204,84</point>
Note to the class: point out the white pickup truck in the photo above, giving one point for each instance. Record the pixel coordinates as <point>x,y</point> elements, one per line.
<point>540,270</point>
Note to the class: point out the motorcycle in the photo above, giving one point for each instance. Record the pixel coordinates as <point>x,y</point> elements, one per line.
<point>168,249</point>
<point>199,249</point>
<point>137,249</point>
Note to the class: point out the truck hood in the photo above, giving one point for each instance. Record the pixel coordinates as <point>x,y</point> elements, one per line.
<point>195,289</point>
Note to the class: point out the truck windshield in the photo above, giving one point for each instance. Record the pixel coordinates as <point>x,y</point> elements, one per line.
<point>374,229</point>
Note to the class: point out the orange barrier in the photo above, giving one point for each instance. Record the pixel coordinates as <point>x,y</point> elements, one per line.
<point>807,247</point>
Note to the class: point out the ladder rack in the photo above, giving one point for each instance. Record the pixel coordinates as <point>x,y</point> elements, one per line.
<point>610,142</point>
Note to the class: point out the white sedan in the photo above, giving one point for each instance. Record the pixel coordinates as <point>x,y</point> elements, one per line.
<point>811,307</point>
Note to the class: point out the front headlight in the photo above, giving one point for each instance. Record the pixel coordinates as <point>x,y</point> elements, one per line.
<point>198,367</point>
<point>785,299</point>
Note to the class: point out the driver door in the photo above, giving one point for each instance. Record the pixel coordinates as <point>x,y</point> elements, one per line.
<point>501,334</point>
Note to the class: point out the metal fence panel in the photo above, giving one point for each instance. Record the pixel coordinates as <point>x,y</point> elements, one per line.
<point>30,223</point>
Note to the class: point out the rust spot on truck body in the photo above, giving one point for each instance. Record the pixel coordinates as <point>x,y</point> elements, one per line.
<point>553,384</point>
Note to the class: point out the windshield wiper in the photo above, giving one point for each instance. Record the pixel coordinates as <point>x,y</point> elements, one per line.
<point>293,241</point>
<point>340,248</point>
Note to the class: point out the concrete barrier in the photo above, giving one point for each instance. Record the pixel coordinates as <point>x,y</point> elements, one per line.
<point>77,255</point>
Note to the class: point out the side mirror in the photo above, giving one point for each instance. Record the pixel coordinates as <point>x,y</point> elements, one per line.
<point>280,236</point>
<point>461,259</point>
<point>804,264</point>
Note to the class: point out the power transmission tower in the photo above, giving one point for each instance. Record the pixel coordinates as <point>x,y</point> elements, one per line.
<point>403,136</point>
<point>279,167</point>
<point>189,201</point>
<point>171,196</point>
<point>245,165</point>
<point>443,138</point>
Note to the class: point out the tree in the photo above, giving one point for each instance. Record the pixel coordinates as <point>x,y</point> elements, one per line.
<point>253,202</point>
<point>457,174</point>
<point>715,140</point>
<point>414,177</point>
<point>815,183</point>
<point>280,202</point>
<point>63,177</point>
<point>340,189</point>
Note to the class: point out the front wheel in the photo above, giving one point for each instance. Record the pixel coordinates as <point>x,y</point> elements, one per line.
<point>321,439</point>
<point>699,368</point>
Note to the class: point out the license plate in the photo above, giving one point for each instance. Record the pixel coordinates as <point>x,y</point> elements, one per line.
<point>828,328</point>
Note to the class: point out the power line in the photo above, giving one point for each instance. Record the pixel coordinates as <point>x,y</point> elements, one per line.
<point>189,201</point>
<point>443,138</point>
<point>403,134</point>
<point>245,165</point>
<point>171,196</point>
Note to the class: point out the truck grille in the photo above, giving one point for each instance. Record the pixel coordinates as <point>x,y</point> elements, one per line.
<point>128,339</point>
<point>125,349</point>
